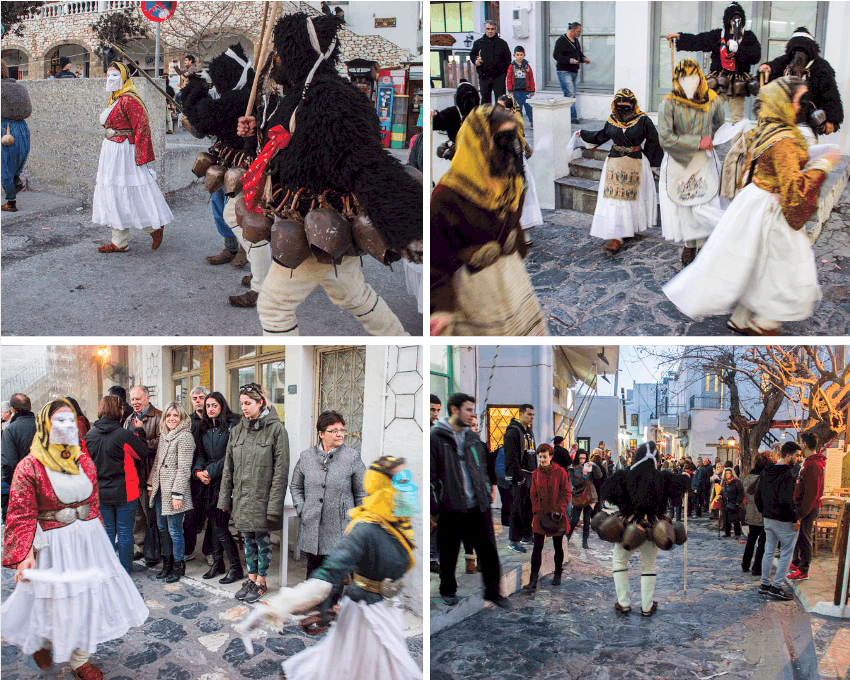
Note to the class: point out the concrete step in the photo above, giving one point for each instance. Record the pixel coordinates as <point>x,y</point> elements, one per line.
<point>600,153</point>
<point>575,193</point>
<point>830,192</point>
<point>586,168</point>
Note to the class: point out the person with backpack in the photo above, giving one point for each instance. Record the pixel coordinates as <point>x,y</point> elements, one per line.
<point>758,262</point>
<point>503,484</point>
<point>754,519</point>
<point>520,462</point>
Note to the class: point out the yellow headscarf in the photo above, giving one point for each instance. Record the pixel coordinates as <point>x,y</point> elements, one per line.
<point>56,457</point>
<point>776,117</point>
<point>703,95</point>
<point>377,507</point>
<point>470,172</point>
<point>127,86</point>
<point>626,94</point>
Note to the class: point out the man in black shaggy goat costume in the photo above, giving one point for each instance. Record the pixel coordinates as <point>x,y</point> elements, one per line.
<point>641,492</point>
<point>450,119</point>
<point>232,76</point>
<point>802,58</point>
<point>334,150</point>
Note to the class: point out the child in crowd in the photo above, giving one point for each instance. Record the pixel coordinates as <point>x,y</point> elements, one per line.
<point>520,82</point>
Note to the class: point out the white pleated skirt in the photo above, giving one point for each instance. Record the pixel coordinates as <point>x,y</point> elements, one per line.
<point>755,258</point>
<point>531,215</point>
<point>686,223</point>
<point>126,194</point>
<point>78,596</point>
<point>413,280</point>
<point>365,643</point>
<point>618,219</point>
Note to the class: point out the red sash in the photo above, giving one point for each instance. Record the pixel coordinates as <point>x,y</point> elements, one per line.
<point>253,181</point>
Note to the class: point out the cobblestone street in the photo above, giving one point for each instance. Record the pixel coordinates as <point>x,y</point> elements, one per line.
<point>584,291</point>
<point>722,628</point>
<point>188,635</point>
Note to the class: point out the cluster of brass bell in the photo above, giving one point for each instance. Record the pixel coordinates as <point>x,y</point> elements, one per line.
<point>612,528</point>
<point>8,139</point>
<point>732,84</point>
<point>216,176</point>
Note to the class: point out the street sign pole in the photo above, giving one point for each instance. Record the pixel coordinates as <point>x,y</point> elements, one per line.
<point>156,54</point>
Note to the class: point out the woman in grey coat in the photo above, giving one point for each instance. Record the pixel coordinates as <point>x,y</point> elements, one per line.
<point>326,484</point>
<point>753,518</point>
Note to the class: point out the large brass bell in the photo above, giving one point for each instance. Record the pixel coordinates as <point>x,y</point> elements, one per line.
<point>328,233</point>
<point>633,536</point>
<point>711,81</point>
<point>256,227</point>
<point>663,534</point>
<point>203,162</point>
<point>753,87</point>
<point>722,83</point>
<point>289,243</point>
<point>240,209</point>
<point>233,181</point>
<point>739,88</point>
<point>8,139</point>
<point>214,179</point>
<point>681,534</point>
<point>414,173</point>
<point>371,241</point>
<point>611,529</point>
<point>191,129</point>
<point>597,520</point>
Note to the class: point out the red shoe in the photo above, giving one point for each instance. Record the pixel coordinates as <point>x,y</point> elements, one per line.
<point>88,671</point>
<point>8,207</point>
<point>112,248</point>
<point>43,658</point>
<point>156,235</point>
<point>798,576</point>
<point>614,245</point>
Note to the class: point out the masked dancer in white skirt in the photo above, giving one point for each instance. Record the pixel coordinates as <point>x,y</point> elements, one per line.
<point>126,194</point>
<point>366,642</point>
<point>626,204</point>
<point>71,591</point>
<point>758,261</point>
<point>689,186</point>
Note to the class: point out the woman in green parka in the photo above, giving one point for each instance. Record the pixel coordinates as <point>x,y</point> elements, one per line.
<point>253,485</point>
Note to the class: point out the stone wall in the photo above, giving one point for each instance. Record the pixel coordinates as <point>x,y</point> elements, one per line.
<point>66,136</point>
<point>41,35</point>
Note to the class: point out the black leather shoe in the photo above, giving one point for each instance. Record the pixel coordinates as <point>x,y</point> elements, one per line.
<point>233,575</point>
<point>167,565</point>
<point>216,569</point>
<point>178,570</point>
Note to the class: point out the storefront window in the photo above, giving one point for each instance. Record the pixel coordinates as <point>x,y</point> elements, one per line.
<point>451,17</point>
<point>185,373</point>
<point>263,364</point>
<point>597,42</point>
<point>784,18</point>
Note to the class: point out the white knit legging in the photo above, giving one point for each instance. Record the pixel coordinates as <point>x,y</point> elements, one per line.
<point>648,553</point>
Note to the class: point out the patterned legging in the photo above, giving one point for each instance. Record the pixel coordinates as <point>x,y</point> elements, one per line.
<point>258,551</point>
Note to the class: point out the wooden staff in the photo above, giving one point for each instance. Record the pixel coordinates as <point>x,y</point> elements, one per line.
<point>672,56</point>
<point>151,80</point>
<point>686,543</point>
<point>264,51</point>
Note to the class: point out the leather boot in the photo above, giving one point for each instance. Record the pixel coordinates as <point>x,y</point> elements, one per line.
<point>223,257</point>
<point>688,255</point>
<point>235,572</point>
<point>240,260</point>
<point>167,566</point>
<point>248,299</point>
<point>532,582</point>
<point>217,565</point>
<point>156,235</point>
<point>178,570</point>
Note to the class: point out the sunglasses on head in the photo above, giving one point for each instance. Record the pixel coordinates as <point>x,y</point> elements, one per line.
<point>250,387</point>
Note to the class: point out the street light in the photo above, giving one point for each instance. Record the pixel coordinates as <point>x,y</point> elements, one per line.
<point>468,40</point>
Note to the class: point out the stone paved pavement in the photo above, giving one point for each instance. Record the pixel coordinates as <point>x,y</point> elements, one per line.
<point>188,635</point>
<point>723,626</point>
<point>586,292</point>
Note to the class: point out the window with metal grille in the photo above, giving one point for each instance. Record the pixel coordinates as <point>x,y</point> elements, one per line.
<point>498,419</point>
<point>342,378</point>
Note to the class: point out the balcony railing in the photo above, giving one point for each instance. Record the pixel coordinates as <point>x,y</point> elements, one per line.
<point>713,403</point>
<point>64,9</point>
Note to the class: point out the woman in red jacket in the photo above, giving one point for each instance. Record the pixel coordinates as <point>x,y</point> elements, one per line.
<point>550,495</point>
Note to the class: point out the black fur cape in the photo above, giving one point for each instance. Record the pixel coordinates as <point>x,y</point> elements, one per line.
<point>218,117</point>
<point>451,118</point>
<point>823,90</point>
<point>749,49</point>
<point>643,490</point>
<point>336,143</point>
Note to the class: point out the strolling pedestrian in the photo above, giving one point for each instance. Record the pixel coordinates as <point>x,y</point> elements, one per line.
<point>807,499</point>
<point>753,517</point>
<point>193,522</point>
<point>65,68</point>
<point>582,475</point>
<point>701,486</point>
<point>327,483</point>
<point>435,407</point>
<point>550,496</point>
<point>71,592</point>
<point>463,486</point>
<point>169,487</point>
<point>732,497</point>
<point>145,420</point>
<point>15,108</point>
<point>775,501</point>
<point>492,57</point>
<point>114,452</point>
<point>560,455</point>
<point>16,440</point>
<point>253,485</point>
<point>568,58</point>
<point>211,440</point>
<point>126,194</point>
<point>520,463</point>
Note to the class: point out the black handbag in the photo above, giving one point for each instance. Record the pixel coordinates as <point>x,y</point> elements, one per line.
<point>550,521</point>
<point>153,547</point>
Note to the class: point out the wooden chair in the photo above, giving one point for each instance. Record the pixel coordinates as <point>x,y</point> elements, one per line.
<point>828,521</point>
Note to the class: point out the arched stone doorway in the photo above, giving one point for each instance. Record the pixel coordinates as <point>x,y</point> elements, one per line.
<point>78,54</point>
<point>18,63</point>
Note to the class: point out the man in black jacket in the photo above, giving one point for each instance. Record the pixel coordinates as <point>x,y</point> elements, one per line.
<point>734,52</point>
<point>462,489</point>
<point>701,485</point>
<point>568,58</point>
<point>492,57</point>
<point>520,462</point>
<point>16,441</point>
<point>561,455</point>
<point>775,501</point>
<point>802,58</point>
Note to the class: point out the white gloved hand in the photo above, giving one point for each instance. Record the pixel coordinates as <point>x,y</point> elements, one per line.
<point>733,46</point>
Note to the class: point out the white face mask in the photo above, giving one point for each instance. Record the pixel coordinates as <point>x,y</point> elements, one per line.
<point>113,82</point>
<point>690,84</point>
<point>63,429</point>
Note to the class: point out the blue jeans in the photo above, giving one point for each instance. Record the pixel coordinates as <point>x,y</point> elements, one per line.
<point>14,156</point>
<point>119,519</point>
<point>568,85</point>
<point>521,98</point>
<point>775,531</point>
<point>170,530</point>
<point>217,201</point>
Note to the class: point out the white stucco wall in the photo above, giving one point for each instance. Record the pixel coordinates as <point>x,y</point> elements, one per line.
<point>602,422</point>
<point>360,18</point>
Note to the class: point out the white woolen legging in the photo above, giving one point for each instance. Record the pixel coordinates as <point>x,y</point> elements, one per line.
<point>648,554</point>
